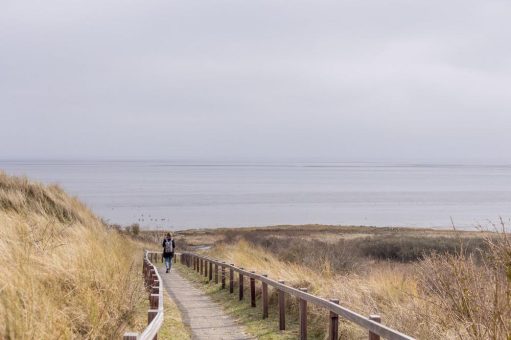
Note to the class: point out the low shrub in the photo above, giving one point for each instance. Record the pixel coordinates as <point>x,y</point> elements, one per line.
<point>347,255</point>
<point>412,248</point>
<point>474,293</point>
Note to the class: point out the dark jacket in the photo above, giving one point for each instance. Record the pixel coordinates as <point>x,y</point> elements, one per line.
<point>171,254</point>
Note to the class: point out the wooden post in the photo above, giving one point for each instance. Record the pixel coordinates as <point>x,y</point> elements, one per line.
<point>265,298</point>
<point>223,275</point>
<point>130,336</point>
<point>334,323</point>
<point>151,314</point>
<point>303,316</point>
<point>376,318</point>
<point>252,291</point>
<point>205,268</point>
<point>201,266</point>
<point>155,278</point>
<point>240,283</point>
<point>216,273</point>
<point>282,309</point>
<point>156,282</point>
<point>231,279</point>
<point>153,301</point>
<point>210,271</point>
<point>193,260</point>
<point>147,271</point>
<point>152,275</point>
<point>175,258</point>
<point>154,290</point>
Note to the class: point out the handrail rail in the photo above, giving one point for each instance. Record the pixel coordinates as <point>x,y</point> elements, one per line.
<point>154,326</point>
<point>372,326</point>
<point>155,316</point>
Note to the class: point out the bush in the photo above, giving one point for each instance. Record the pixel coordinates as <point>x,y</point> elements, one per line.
<point>115,227</point>
<point>135,229</point>
<point>413,248</point>
<point>474,293</point>
<point>347,255</point>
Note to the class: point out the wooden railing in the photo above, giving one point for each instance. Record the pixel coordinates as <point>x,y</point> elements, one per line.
<point>154,286</point>
<point>209,268</point>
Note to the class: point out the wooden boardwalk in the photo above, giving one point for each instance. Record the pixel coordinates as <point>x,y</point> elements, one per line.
<point>201,314</point>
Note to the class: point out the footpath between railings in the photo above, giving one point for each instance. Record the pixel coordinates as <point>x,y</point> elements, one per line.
<point>210,269</point>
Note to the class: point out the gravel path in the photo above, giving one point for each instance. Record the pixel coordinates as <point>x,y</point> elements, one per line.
<point>201,314</point>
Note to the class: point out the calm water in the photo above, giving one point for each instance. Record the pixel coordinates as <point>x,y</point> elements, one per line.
<point>173,195</point>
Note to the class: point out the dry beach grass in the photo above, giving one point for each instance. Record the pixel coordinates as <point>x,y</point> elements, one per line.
<point>63,274</point>
<point>446,285</point>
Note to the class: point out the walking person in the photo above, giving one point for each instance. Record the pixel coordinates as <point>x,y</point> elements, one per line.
<point>168,250</point>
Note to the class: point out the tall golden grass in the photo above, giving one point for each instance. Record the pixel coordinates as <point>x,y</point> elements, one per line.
<point>456,296</point>
<point>63,275</point>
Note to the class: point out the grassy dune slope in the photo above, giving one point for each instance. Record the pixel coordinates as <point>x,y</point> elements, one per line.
<point>63,274</point>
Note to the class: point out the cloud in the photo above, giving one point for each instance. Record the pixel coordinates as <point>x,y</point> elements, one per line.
<point>330,80</point>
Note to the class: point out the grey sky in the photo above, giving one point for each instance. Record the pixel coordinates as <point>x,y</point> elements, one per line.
<point>319,80</point>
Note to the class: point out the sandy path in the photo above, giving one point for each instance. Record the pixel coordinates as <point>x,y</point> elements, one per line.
<point>201,314</point>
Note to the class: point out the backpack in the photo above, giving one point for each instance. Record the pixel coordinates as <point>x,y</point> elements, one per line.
<point>169,246</point>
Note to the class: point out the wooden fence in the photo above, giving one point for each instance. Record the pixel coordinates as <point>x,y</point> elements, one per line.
<point>154,286</point>
<point>209,268</point>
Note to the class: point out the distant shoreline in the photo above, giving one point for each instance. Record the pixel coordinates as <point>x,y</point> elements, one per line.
<point>320,228</point>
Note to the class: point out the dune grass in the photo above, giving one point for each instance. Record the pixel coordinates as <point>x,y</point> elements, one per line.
<point>454,294</point>
<point>64,274</point>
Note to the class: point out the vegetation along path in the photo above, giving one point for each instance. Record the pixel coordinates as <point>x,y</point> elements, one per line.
<point>205,317</point>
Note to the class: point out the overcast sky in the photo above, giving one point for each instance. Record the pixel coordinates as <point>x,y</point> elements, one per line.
<point>256,80</point>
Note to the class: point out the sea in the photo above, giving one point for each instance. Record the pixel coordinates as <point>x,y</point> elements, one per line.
<point>182,195</point>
